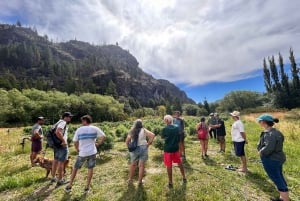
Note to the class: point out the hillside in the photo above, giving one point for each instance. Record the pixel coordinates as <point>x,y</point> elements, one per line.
<point>28,60</point>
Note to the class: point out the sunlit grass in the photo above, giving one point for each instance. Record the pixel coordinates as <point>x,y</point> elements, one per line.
<point>207,180</point>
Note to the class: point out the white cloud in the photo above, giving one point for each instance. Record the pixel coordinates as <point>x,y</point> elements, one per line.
<point>185,41</point>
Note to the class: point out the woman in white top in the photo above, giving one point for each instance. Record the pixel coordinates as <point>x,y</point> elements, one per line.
<point>140,155</point>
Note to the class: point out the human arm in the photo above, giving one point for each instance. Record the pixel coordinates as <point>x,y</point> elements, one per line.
<point>150,137</point>
<point>37,134</point>
<point>76,145</point>
<point>268,144</point>
<point>60,135</point>
<point>243,134</point>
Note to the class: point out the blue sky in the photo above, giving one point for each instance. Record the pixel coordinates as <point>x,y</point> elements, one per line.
<point>177,40</point>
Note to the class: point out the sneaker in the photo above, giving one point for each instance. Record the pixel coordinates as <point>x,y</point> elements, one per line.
<point>86,189</point>
<point>170,185</point>
<point>61,182</point>
<point>276,199</point>
<point>206,155</point>
<point>53,180</point>
<point>68,189</point>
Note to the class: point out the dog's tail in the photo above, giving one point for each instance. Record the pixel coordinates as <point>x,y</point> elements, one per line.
<point>22,143</point>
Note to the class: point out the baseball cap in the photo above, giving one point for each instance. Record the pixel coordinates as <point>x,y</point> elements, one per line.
<point>40,118</point>
<point>68,114</point>
<point>265,117</point>
<point>235,113</point>
<point>211,114</point>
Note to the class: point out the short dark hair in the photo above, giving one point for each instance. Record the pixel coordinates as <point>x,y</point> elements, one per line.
<point>202,119</point>
<point>87,118</point>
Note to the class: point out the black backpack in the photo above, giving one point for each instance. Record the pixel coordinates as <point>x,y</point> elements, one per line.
<point>52,139</point>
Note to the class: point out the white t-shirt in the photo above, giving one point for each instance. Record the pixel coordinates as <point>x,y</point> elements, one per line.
<point>236,129</point>
<point>86,136</point>
<point>63,125</point>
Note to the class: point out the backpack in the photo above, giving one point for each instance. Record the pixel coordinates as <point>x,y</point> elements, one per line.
<point>52,139</point>
<point>202,132</point>
<point>133,144</point>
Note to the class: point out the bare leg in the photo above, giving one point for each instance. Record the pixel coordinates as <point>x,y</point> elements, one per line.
<point>169,170</point>
<point>73,175</point>
<point>60,170</point>
<point>181,170</point>
<point>244,163</point>
<point>132,170</point>
<point>89,177</point>
<point>141,171</point>
<point>32,157</point>
<point>205,146</point>
<point>222,146</point>
<point>284,196</point>
<point>202,147</point>
<point>54,168</point>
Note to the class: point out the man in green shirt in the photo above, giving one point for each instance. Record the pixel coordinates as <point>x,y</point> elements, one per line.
<point>171,149</point>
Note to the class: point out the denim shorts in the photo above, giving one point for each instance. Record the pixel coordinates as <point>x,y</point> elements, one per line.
<point>90,161</point>
<point>61,153</point>
<point>139,154</point>
<point>274,171</point>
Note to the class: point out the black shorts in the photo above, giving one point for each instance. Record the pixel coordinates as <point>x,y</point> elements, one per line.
<point>181,137</point>
<point>239,148</point>
<point>221,138</point>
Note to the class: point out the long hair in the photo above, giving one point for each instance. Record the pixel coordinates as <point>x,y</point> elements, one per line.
<point>136,129</point>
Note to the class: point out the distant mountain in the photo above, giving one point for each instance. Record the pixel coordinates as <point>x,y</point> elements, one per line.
<point>29,60</point>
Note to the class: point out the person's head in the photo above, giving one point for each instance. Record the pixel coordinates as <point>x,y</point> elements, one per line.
<point>211,115</point>
<point>176,114</point>
<point>86,120</point>
<point>67,116</point>
<point>235,115</point>
<point>40,120</point>
<point>168,119</point>
<point>216,115</point>
<point>267,120</point>
<point>138,124</point>
<point>202,119</point>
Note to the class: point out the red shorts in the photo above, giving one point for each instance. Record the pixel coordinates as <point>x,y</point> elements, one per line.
<point>170,158</point>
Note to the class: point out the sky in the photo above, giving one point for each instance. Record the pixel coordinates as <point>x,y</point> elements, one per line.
<point>206,47</point>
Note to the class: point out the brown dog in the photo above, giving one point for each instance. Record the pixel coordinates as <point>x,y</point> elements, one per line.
<point>47,164</point>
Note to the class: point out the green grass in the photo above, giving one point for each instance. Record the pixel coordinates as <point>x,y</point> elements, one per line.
<point>207,179</point>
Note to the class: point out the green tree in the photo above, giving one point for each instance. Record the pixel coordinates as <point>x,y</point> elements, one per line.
<point>284,76</point>
<point>294,70</point>
<point>274,74</point>
<point>267,77</point>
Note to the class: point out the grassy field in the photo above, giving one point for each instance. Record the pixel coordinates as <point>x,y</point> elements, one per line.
<point>207,179</point>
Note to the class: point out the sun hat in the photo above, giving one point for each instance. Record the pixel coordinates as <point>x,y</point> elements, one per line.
<point>211,114</point>
<point>235,113</point>
<point>265,117</point>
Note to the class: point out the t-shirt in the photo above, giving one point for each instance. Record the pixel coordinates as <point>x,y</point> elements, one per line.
<point>236,129</point>
<point>142,138</point>
<point>40,130</point>
<point>221,131</point>
<point>86,136</point>
<point>62,124</point>
<point>171,135</point>
<point>212,121</point>
<point>180,124</point>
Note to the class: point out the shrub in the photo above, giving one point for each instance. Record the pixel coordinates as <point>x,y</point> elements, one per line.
<point>120,130</point>
<point>192,130</point>
<point>158,143</point>
<point>107,144</point>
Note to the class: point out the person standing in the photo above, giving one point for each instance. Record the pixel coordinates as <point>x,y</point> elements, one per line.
<point>85,144</point>
<point>178,121</point>
<point>202,129</point>
<point>212,123</point>
<point>239,139</point>
<point>221,132</point>
<point>270,149</point>
<point>171,149</point>
<point>61,152</point>
<point>36,139</point>
<point>140,154</point>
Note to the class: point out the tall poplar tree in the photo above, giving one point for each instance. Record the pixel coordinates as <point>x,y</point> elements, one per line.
<point>283,75</point>
<point>294,70</point>
<point>274,74</point>
<point>267,77</point>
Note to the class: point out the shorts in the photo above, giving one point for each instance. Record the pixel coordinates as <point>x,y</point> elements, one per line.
<point>139,154</point>
<point>239,148</point>
<point>36,146</point>
<point>221,139</point>
<point>170,158</point>
<point>181,137</point>
<point>91,161</point>
<point>274,170</point>
<point>60,154</point>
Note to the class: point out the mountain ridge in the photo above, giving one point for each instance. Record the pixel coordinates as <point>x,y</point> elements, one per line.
<point>30,60</point>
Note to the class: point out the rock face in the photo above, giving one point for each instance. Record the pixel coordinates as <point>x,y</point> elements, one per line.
<point>30,60</point>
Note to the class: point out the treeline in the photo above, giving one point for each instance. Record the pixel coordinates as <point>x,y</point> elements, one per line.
<point>22,107</point>
<point>283,89</point>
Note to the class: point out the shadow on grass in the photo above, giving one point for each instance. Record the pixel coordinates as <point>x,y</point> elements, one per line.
<point>210,162</point>
<point>39,194</point>
<point>13,183</point>
<point>13,171</point>
<point>134,194</point>
<point>177,193</point>
<point>103,159</point>
<point>158,158</point>
<point>261,182</point>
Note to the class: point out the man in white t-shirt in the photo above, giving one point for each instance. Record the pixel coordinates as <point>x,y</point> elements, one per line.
<point>61,151</point>
<point>86,146</point>
<point>239,139</point>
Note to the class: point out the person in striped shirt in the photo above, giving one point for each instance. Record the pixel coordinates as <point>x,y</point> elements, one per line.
<point>86,143</point>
